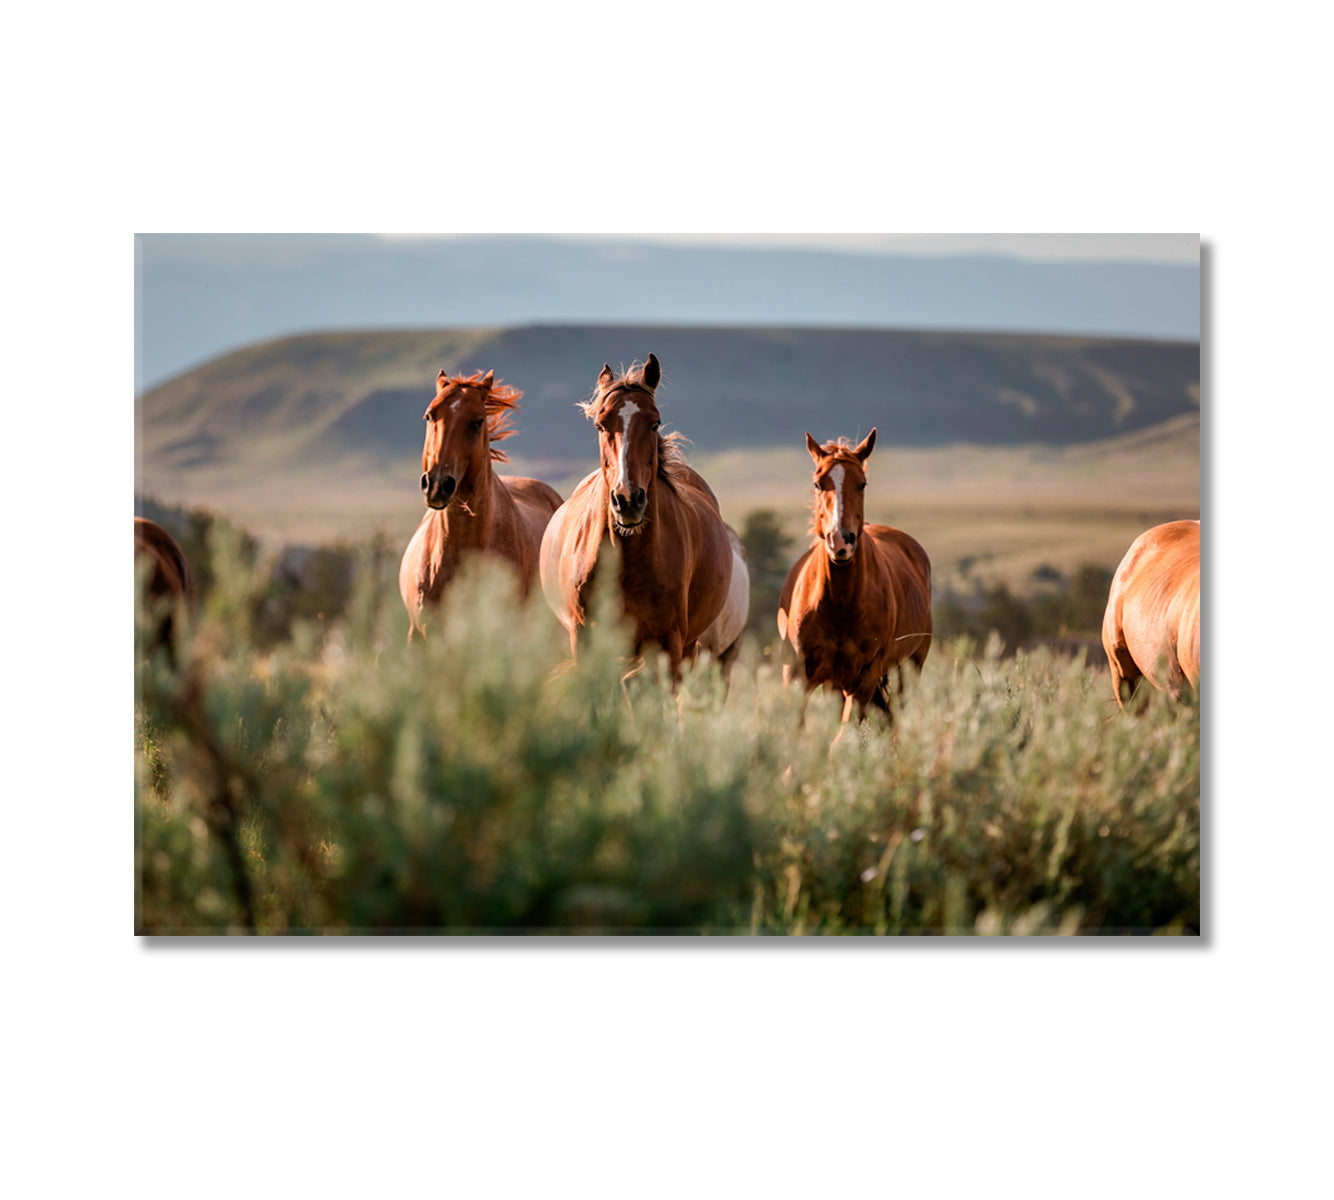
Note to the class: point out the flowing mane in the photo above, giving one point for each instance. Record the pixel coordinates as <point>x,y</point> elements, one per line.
<point>839,448</point>
<point>470,509</point>
<point>671,446</point>
<point>501,403</point>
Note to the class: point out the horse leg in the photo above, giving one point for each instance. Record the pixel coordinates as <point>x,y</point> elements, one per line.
<point>1126,675</point>
<point>849,699</point>
<point>636,665</point>
<point>1174,676</point>
<point>880,697</point>
<point>727,658</point>
<point>415,625</point>
<point>787,655</point>
<point>675,653</point>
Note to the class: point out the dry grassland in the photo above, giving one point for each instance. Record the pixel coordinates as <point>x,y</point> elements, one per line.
<point>982,512</point>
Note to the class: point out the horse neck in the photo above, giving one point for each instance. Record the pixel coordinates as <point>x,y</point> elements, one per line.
<point>470,527</point>
<point>842,585</point>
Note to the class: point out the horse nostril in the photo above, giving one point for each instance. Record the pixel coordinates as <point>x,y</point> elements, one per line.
<point>447,485</point>
<point>426,482</point>
<point>637,497</point>
<point>851,539</point>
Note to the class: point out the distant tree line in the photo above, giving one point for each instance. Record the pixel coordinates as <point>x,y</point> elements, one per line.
<point>304,583</point>
<point>315,584</point>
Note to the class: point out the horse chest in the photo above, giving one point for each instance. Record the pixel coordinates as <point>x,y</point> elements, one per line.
<point>447,539</point>
<point>838,656</point>
<point>839,640</point>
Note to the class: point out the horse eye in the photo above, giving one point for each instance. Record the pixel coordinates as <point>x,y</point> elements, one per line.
<point>861,487</point>
<point>475,425</point>
<point>655,426</point>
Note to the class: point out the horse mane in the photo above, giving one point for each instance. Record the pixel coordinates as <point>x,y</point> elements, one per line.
<point>841,449</point>
<point>500,404</point>
<point>671,452</point>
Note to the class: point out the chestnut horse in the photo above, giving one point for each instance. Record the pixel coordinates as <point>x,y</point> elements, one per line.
<point>683,578</point>
<point>169,585</point>
<point>470,508</point>
<point>1151,628</point>
<point>857,603</point>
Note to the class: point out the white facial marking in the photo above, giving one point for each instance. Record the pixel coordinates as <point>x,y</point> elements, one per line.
<point>628,410</point>
<point>836,474</point>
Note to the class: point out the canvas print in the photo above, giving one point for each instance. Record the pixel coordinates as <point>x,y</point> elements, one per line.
<point>667,584</point>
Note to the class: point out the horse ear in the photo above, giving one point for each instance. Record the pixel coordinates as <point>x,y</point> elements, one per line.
<point>605,376</point>
<point>488,379</point>
<point>814,447</point>
<point>652,373</point>
<point>442,376</point>
<point>863,452</point>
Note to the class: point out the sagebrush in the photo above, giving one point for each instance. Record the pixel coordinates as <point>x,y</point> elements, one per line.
<point>342,781</point>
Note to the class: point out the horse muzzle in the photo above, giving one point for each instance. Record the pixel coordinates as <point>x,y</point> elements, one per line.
<point>628,510</point>
<point>439,490</point>
<point>840,547</point>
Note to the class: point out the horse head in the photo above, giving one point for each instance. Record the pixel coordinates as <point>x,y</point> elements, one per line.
<point>627,420</point>
<point>839,508</point>
<point>465,418</point>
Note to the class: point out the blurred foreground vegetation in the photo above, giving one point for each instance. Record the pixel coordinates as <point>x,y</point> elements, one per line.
<point>315,774</point>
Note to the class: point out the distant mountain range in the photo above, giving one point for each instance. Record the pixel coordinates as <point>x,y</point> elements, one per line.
<point>330,398</point>
<point>199,296</point>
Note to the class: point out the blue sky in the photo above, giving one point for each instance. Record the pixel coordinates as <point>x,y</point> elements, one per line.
<point>1066,247</point>
<point>198,296</point>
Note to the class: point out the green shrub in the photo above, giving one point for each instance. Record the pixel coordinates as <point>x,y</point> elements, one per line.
<point>342,781</point>
<point>769,556</point>
<point>1058,612</point>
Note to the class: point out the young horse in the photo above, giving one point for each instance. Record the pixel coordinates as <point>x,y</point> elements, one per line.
<point>854,607</point>
<point>683,578</point>
<point>1151,628</point>
<point>469,507</point>
<point>169,585</point>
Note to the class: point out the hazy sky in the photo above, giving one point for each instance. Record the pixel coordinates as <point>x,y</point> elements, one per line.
<point>1140,247</point>
<point>201,295</point>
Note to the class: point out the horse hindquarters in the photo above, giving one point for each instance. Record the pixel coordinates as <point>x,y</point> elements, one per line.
<point>1151,624</point>
<point>908,570</point>
<point>568,554</point>
<point>722,639</point>
<point>169,586</point>
<point>532,505</point>
<point>413,576</point>
<point>1188,640</point>
<point>551,569</point>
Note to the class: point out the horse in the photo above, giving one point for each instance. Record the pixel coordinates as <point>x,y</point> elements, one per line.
<point>1151,628</point>
<point>469,508</point>
<point>169,586</point>
<point>857,603</point>
<point>683,579</point>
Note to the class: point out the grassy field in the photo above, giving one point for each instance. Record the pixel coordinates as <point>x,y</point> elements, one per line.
<point>344,782</point>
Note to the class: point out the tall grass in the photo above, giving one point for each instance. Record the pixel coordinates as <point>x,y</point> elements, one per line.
<point>480,782</point>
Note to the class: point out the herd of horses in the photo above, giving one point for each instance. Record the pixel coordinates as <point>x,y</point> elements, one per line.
<point>854,611</point>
